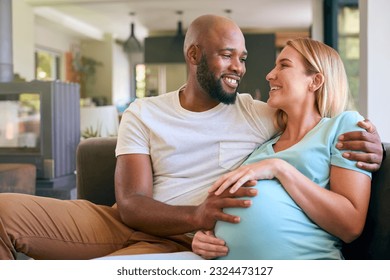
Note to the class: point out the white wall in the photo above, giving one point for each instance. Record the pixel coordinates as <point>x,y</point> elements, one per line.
<point>121,77</point>
<point>23,39</point>
<point>374,60</point>
<point>50,39</point>
<point>31,32</point>
<point>317,28</point>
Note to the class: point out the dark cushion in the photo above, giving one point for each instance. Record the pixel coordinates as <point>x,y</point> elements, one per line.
<point>374,243</point>
<point>95,169</point>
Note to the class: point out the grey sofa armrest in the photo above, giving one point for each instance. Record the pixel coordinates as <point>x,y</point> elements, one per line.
<point>95,167</point>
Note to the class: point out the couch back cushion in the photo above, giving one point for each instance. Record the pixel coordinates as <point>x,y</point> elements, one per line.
<point>374,243</point>
<point>95,170</point>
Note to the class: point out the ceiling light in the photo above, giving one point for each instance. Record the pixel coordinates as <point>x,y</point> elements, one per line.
<point>179,32</point>
<point>132,45</point>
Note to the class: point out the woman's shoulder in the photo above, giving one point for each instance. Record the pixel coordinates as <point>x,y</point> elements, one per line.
<point>347,118</point>
<point>345,122</point>
<point>355,115</point>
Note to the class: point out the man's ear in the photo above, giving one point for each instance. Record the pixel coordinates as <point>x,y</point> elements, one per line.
<point>318,81</point>
<point>193,54</point>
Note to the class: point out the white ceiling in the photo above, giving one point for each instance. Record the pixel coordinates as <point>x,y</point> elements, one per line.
<point>157,16</point>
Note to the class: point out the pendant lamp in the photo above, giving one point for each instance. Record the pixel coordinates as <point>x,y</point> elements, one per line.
<point>179,32</point>
<point>132,45</point>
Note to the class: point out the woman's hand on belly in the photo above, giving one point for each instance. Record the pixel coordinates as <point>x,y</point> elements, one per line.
<point>246,175</point>
<point>206,245</point>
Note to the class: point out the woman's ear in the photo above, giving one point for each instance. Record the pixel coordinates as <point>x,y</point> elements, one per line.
<point>318,81</point>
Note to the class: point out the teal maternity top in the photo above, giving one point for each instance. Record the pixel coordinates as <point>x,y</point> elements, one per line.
<point>275,227</point>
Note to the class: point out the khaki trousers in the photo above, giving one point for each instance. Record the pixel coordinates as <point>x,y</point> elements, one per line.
<point>47,228</point>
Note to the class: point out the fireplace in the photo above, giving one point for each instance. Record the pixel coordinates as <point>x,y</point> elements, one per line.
<point>40,124</point>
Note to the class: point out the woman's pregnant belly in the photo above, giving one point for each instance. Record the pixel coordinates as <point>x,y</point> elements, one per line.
<point>274,227</point>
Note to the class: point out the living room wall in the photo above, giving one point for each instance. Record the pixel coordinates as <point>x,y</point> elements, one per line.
<point>31,32</point>
<point>23,39</point>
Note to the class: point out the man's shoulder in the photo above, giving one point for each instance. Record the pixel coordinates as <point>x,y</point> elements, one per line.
<point>246,100</point>
<point>156,98</point>
<point>245,96</point>
<point>152,102</point>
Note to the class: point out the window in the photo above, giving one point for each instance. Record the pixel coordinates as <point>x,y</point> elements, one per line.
<point>342,33</point>
<point>348,47</point>
<point>47,65</point>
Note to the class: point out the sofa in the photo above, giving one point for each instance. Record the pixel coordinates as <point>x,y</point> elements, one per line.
<point>95,182</point>
<point>17,177</point>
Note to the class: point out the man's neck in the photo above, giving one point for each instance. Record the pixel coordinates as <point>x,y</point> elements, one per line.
<point>196,101</point>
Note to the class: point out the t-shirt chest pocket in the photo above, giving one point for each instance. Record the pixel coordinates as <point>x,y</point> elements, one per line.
<point>233,154</point>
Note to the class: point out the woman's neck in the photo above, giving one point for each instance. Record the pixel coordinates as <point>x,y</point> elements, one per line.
<point>297,127</point>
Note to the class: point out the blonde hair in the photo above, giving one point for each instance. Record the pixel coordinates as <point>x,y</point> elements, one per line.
<point>332,96</point>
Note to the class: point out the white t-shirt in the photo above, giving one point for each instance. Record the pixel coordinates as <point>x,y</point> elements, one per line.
<point>190,150</point>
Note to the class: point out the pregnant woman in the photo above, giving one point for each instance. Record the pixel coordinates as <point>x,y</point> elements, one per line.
<point>310,199</point>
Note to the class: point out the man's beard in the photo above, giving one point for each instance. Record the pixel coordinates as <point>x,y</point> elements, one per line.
<point>211,85</point>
